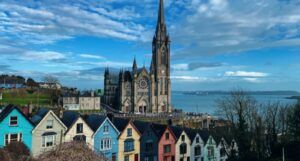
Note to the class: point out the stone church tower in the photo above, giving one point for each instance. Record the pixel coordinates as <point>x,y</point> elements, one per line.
<point>140,90</point>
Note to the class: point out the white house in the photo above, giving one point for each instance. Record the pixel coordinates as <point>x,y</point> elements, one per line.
<point>197,147</point>
<point>78,129</point>
<point>182,147</point>
<point>223,150</point>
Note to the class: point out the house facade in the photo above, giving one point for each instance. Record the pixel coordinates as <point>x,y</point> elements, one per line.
<point>48,132</point>
<point>183,147</point>
<point>85,101</point>
<point>222,150</point>
<point>105,136</point>
<point>197,148</point>
<point>15,126</point>
<point>129,144</point>
<point>210,150</point>
<point>78,129</point>
<point>166,146</point>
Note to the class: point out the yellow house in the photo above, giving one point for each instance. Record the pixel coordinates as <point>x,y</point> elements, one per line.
<point>129,143</point>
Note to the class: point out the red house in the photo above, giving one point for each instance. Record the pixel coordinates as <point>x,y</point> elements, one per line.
<point>166,146</point>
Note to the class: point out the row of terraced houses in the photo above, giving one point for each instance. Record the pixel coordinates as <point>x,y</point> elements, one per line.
<point>118,139</point>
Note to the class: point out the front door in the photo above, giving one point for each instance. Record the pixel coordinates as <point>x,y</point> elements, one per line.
<point>113,158</point>
<point>136,157</point>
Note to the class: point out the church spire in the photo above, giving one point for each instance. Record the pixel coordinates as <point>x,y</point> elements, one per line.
<point>161,26</point>
<point>161,13</point>
<point>134,66</point>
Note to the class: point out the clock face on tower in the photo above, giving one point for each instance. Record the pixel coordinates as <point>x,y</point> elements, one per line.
<point>143,83</point>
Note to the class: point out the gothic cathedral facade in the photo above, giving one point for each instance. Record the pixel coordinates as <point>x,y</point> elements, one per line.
<point>140,90</point>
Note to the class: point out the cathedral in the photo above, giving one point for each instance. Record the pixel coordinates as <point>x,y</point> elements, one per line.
<point>141,90</point>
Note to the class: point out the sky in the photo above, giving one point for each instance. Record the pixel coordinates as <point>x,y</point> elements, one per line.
<point>216,44</point>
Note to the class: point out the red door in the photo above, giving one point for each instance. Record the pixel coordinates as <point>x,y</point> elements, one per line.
<point>136,157</point>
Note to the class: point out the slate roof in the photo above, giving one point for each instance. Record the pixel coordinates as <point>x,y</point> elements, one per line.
<point>159,129</point>
<point>95,121</point>
<point>176,130</point>
<point>8,109</point>
<point>191,133</point>
<point>120,123</point>
<point>141,126</point>
<point>39,116</point>
<point>204,134</point>
<point>69,118</point>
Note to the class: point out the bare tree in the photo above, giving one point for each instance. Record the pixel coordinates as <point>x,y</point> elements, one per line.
<point>72,151</point>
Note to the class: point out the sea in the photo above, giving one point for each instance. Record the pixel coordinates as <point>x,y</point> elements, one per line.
<point>206,104</point>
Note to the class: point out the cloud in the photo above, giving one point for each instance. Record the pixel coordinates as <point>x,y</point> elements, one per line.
<point>245,74</point>
<point>90,56</point>
<point>221,26</point>
<point>43,56</point>
<point>194,65</point>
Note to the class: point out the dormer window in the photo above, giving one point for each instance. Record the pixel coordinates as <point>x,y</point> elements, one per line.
<point>49,124</point>
<point>183,138</point>
<point>129,132</point>
<point>13,121</point>
<point>79,128</point>
<point>197,140</point>
<point>167,136</point>
<point>105,129</point>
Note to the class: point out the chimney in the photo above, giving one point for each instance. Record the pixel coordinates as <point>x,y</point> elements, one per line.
<point>170,122</point>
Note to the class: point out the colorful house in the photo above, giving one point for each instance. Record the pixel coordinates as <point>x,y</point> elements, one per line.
<point>129,143</point>
<point>15,126</point>
<point>222,149</point>
<point>78,129</point>
<point>210,150</point>
<point>105,136</point>
<point>197,145</point>
<point>48,132</point>
<point>183,146</point>
<point>151,134</point>
<point>166,145</point>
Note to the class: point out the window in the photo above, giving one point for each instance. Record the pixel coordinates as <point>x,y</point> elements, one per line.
<point>183,138</point>
<point>210,150</point>
<point>167,148</point>
<point>149,146</point>
<point>182,148</point>
<point>222,152</point>
<point>167,136</point>
<point>197,140</point>
<point>129,132</point>
<point>181,159</point>
<point>48,141</point>
<point>129,145</point>
<point>13,121</point>
<point>126,158</point>
<point>9,138</point>
<point>105,129</point>
<point>105,144</point>
<point>79,128</point>
<point>49,124</point>
<point>197,150</point>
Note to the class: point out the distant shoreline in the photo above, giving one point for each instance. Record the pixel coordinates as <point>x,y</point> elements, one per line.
<point>294,94</point>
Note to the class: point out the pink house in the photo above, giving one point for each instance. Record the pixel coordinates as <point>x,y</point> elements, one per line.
<point>166,146</point>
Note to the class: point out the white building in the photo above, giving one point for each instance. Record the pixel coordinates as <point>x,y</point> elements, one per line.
<point>86,101</point>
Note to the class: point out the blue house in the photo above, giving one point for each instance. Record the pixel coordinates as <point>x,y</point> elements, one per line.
<point>15,126</point>
<point>105,136</point>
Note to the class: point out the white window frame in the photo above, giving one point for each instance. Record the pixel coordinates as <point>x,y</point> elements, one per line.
<point>10,120</point>
<point>105,144</point>
<point>46,139</point>
<point>8,136</point>
<point>47,123</point>
<point>105,129</point>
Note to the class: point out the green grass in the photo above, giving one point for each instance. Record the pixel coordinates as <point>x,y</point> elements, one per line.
<point>23,98</point>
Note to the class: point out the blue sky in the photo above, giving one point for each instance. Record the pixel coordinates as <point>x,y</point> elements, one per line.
<point>216,44</point>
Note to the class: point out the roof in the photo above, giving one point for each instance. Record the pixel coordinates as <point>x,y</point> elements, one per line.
<point>176,130</point>
<point>141,126</point>
<point>191,133</point>
<point>69,118</point>
<point>120,123</point>
<point>204,134</point>
<point>39,116</point>
<point>95,121</point>
<point>159,129</point>
<point>8,109</point>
